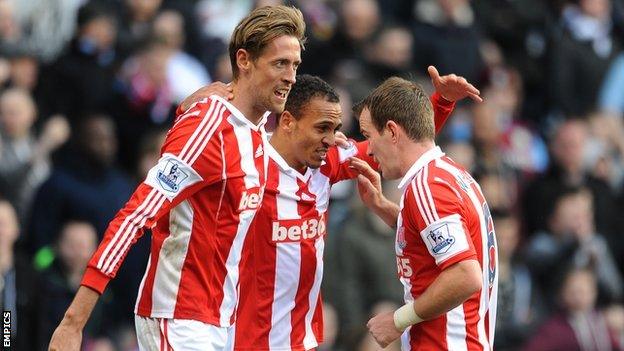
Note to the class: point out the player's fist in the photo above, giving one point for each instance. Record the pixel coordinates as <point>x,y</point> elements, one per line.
<point>65,338</point>
<point>382,328</point>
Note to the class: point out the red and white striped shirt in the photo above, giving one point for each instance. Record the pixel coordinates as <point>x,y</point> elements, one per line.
<point>445,219</point>
<point>199,201</point>
<point>280,302</point>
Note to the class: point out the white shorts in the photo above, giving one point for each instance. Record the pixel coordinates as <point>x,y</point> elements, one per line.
<point>161,334</point>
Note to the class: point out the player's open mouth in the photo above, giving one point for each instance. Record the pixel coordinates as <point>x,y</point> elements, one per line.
<point>281,93</point>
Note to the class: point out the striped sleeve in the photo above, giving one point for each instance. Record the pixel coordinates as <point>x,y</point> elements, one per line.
<point>336,166</point>
<point>186,165</point>
<point>435,212</point>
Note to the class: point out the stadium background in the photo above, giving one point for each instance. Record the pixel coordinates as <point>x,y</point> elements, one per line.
<point>88,89</point>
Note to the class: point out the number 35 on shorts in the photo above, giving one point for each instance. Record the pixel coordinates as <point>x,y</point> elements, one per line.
<point>403,267</point>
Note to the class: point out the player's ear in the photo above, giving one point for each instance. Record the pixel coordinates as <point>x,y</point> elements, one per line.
<point>287,121</point>
<point>243,60</point>
<point>393,129</point>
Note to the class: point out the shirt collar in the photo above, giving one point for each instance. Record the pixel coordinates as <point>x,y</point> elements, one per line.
<point>423,160</point>
<point>240,117</point>
<point>285,167</point>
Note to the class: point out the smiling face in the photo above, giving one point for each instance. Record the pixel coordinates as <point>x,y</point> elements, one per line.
<point>313,133</point>
<point>272,74</point>
<point>380,146</point>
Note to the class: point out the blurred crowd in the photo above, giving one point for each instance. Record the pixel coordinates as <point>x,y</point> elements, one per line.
<point>88,89</point>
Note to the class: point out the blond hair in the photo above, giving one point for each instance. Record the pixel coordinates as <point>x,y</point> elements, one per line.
<point>261,26</point>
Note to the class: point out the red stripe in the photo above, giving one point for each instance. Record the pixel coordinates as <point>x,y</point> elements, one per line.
<point>205,124</point>
<point>159,234</point>
<point>205,135</point>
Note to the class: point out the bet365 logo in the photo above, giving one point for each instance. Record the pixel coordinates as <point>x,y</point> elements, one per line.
<point>250,200</point>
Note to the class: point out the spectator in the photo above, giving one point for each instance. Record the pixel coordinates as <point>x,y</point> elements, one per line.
<point>568,168</point>
<point>145,101</point>
<point>572,239</point>
<point>86,70</point>
<point>445,35</point>
<point>136,24</point>
<point>577,325</point>
<point>185,74</point>
<point>86,184</point>
<point>582,51</point>
<point>24,159</point>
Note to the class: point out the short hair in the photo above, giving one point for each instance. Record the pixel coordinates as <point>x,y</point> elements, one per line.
<point>403,102</point>
<point>254,32</point>
<point>305,89</point>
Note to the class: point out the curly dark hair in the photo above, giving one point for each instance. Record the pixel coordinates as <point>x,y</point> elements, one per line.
<point>306,88</point>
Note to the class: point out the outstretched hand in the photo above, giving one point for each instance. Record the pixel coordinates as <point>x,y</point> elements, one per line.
<point>453,87</point>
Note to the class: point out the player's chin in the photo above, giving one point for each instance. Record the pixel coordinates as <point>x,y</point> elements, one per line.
<point>315,163</point>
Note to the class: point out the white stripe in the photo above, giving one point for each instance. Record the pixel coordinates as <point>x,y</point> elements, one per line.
<point>484,303</point>
<point>421,194</point>
<point>432,207</point>
<point>127,241</point>
<point>171,259</point>
<point>223,161</point>
<point>204,138</point>
<point>287,269</point>
<point>456,329</point>
<point>419,204</point>
<point>190,114</point>
<point>319,186</point>
<point>245,146</point>
<point>121,229</point>
<point>206,119</point>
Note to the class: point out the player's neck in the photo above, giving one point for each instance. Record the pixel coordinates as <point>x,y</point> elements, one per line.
<point>412,151</point>
<point>244,103</point>
<point>283,147</point>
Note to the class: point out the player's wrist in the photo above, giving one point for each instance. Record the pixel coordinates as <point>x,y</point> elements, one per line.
<point>405,316</point>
